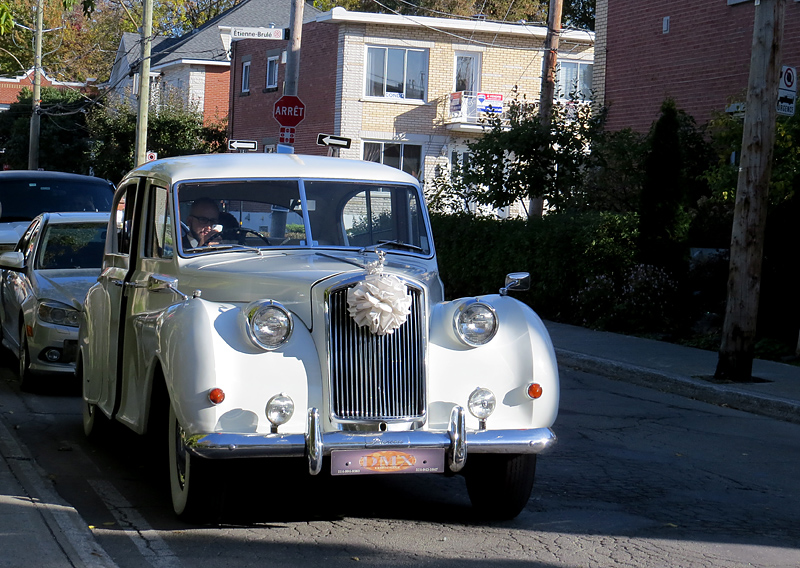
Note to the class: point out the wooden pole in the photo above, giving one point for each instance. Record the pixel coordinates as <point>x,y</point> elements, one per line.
<point>548,89</point>
<point>35,126</point>
<point>735,361</point>
<point>144,84</point>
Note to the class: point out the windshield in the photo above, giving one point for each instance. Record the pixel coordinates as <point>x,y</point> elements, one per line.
<point>73,245</point>
<point>218,215</point>
<point>22,200</point>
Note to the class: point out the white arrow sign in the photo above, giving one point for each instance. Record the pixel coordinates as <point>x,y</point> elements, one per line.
<point>242,145</point>
<point>330,140</point>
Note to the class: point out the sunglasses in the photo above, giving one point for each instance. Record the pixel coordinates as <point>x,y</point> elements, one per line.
<point>205,220</point>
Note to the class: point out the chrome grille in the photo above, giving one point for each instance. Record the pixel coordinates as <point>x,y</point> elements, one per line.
<point>376,377</point>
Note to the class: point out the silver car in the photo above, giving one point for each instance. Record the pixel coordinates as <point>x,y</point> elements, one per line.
<point>43,282</point>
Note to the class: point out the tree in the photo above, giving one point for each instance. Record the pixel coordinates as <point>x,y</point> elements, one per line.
<point>64,138</point>
<point>522,157</point>
<point>173,130</point>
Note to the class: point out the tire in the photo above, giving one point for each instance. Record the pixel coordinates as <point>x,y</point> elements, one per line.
<point>24,361</point>
<point>196,495</point>
<point>499,485</point>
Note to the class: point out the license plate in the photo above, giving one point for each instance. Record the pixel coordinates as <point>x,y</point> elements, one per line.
<point>370,461</point>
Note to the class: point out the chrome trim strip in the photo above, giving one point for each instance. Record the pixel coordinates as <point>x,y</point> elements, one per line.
<point>314,447</point>
<point>220,445</point>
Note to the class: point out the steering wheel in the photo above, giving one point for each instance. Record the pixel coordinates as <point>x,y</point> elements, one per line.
<point>239,234</point>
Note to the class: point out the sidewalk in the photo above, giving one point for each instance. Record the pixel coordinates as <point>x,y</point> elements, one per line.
<point>38,529</point>
<point>677,369</point>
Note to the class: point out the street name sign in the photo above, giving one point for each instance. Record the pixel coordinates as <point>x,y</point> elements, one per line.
<point>242,145</point>
<point>333,141</point>
<point>259,33</point>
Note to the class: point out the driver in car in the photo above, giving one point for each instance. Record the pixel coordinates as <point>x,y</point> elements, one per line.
<point>203,224</point>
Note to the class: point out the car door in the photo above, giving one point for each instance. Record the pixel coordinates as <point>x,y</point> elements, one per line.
<point>106,301</point>
<point>154,254</point>
<point>15,285</point>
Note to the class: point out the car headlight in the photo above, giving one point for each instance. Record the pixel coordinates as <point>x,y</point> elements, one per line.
<point>482,403</point>
<point>269,325</point>
<point>59,314</point>
<point>475,323</point>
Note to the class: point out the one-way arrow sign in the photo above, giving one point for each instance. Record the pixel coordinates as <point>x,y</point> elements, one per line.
<point>242,145</point>
<point>334,141</point>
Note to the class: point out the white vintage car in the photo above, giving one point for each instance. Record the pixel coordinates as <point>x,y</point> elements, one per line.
<point>288,306</point>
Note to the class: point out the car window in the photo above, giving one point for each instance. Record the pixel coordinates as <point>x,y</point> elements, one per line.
<point>71,245</point>
<point>240,213</point>
<point>123,219</point>
<point>160,241</point>
<point>25,199</point>
<point>366,214</point>
<point>288,213</point>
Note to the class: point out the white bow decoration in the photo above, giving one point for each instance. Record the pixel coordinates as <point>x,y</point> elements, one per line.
<point>380,301</point>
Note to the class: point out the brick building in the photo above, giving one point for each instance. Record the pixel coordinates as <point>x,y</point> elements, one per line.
<point>407,91</point>
<point>10,87</point>
<point>697,53</point>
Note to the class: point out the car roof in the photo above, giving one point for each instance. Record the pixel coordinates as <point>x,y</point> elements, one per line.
<point>76,217</point>
<point>273,165</point>
<point>46,175</point>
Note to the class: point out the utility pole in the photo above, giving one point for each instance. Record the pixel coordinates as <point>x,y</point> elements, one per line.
<point>750,211</point>
<point>548,89</point>
<point>144,83</point>
<point>33,140</point>
<point>293,57</point>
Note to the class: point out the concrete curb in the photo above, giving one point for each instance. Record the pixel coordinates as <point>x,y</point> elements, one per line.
<point>721,395</point>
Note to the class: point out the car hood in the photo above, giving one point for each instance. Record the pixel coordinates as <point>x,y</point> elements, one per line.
<point>66,286</point>
<point>288,277</point>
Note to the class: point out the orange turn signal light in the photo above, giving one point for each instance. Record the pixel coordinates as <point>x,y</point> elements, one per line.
<point>534,390</point>
<point>216,395</point>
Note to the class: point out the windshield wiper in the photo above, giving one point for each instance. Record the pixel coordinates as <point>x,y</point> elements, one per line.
<point>211,248</point>
<point>395,243</point>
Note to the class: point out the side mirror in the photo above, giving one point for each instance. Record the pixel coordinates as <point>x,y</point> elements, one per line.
<point>160,283</point>
<point>516,281</point>
<point>12,260</point>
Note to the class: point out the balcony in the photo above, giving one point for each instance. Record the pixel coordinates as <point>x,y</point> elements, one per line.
<point>469,112</point>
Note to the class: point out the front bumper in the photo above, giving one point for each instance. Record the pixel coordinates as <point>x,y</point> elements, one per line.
<point>313,445</point>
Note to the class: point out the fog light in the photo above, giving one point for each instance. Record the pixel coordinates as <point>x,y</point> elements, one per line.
<point>280,409</point>
<point>481,404</point>
<point>52,355</point>
<point>216,395</point>
<point>534,390</point>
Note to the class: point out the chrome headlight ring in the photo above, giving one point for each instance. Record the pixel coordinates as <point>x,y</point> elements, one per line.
<point>269,325</point>
<point>475,323</point>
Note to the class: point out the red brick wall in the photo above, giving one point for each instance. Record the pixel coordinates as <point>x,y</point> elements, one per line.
<point>215,106</point>
<point>702,63</point>
<point>251,116</point>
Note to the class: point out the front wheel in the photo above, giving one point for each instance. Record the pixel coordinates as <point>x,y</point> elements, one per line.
<point>24,361</point>
<point>500,485</point>
<point>194,495</point>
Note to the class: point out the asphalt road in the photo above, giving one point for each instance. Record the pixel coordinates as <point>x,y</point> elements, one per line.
<point>639,478</point>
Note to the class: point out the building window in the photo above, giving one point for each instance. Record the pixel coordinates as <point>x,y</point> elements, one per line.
<point>406,157</point>
<point>574,80</point>
<point>245,76</point>
<point>397,73</point>
<point>467,76</point>
<point>272,72</point>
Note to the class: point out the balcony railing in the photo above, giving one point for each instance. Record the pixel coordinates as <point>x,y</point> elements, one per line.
<point>473,108</point>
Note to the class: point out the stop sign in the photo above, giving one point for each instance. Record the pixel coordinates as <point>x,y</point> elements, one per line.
<point>289,111</point>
